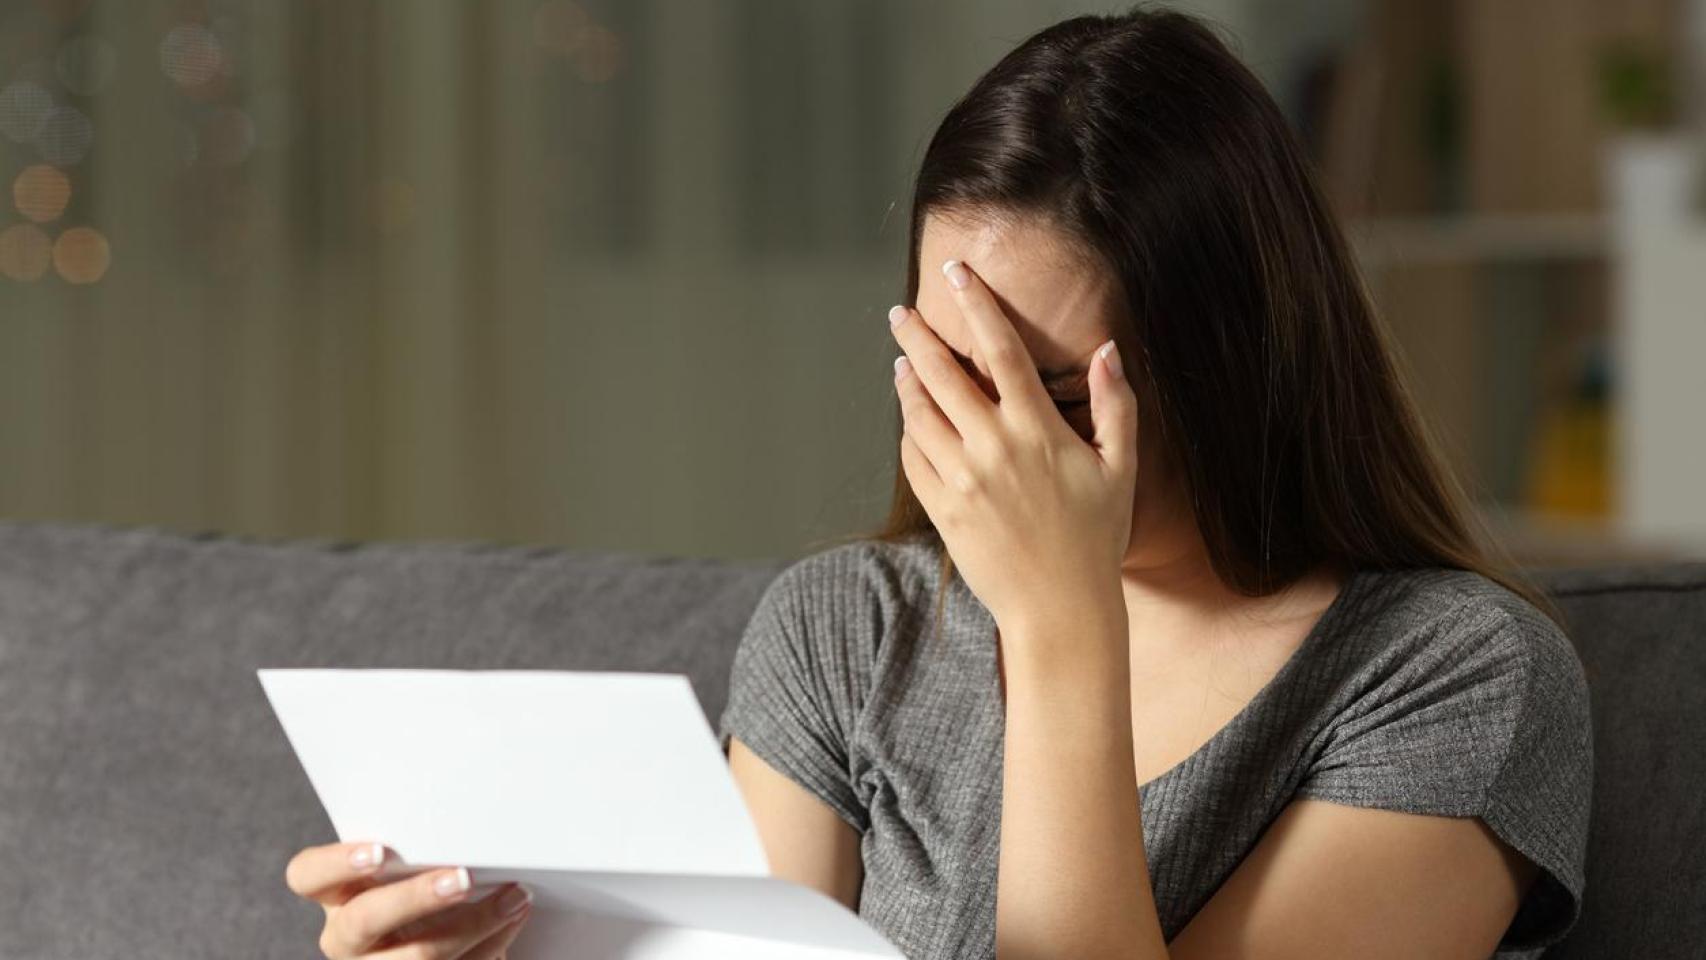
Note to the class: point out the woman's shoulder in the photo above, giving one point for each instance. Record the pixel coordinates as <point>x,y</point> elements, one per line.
<point>1453,654</point>
<point>1452,694</point>
<point>803,668</point>
<point>1459,614</point>
<point>869,570</point>
<point>854,606</point>
<point>1457,658</point>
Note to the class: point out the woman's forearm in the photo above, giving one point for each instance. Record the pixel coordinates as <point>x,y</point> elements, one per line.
<point>1074,881</point>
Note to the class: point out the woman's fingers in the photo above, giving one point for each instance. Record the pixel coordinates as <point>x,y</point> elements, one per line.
<point>332,873</point>
<point>1009,362</point>
<point>494,946</point>
<point>935,436</point>
<point>423,917</point>
<point>1113,409</point>
<point>368,916</point>
<point>964,403</point>
<point>483,934</point>
<point>459,916</point>
<point>920,475</point>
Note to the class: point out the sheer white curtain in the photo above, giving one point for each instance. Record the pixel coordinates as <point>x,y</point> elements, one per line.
<point>601,273</point>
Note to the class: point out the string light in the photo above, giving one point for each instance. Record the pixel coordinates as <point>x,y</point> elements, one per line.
<point>82,255</point>
<point>41,192</point>
<point>191,55</point>
<point>65,136</point>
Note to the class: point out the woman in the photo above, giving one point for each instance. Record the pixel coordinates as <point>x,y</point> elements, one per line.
<point>1177,642</point>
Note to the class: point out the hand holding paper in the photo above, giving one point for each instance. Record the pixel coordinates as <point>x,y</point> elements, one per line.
<point>604,793</point>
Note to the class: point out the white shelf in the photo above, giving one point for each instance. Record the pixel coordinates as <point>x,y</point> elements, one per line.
<point>1541,540</point>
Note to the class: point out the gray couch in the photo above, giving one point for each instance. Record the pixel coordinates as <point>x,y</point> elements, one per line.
<point>148,801</point>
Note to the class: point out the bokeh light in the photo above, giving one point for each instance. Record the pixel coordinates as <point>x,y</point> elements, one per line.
<point>25,252</point>
<point>41,192</point>
<point>191,55</point>
<point>85,64</point>
<point>82,255</point>
<point>24,106</point>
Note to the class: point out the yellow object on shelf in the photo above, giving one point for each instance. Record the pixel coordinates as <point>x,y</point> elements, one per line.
<point>1571,472</point>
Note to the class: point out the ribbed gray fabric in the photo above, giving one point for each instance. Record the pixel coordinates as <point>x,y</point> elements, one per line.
<point>1430,691</point>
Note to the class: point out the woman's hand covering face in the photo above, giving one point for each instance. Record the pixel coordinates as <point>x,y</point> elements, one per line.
<point>1034,515</point>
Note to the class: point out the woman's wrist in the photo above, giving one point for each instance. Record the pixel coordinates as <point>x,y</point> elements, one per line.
<point>1078,636</point>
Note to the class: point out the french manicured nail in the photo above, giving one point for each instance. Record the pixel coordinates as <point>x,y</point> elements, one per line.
<point>367,856</point>
<point>956,273</point>
<point>902,367</point>
<point>452,884</point>
<point>513,899</point>
<point>1111,357</point>
<point>897,313</point>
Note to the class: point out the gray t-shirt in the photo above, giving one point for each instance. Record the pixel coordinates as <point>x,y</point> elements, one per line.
<point>1431,691</point>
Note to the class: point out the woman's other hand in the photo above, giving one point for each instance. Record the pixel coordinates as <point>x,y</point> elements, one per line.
<point>1036,519</point>
<point>422,916</point>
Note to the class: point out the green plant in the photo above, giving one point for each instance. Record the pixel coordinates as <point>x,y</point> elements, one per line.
<point>1635,84</point>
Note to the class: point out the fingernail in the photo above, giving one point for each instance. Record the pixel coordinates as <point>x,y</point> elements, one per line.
<point>451,884</point>
<point>367,856</point>
<point>513,899</point>
<point>897,313</point>
<point>902,366</point>
<point>1111,356</point>
<point>956,273</point>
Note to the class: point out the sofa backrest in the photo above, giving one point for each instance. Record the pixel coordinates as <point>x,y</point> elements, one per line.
<point>149,801</point>
<point>1641,634</point>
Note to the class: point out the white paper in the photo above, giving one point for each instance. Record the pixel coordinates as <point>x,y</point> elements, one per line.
<point>606,793</point>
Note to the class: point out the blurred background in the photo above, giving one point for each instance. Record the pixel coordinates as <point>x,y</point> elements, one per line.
<point>610,274</point>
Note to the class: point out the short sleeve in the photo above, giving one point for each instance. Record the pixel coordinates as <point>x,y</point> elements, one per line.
<point>1487,716</point>
<point>799,676</point>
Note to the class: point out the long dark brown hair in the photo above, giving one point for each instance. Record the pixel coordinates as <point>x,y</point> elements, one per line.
<point>1251,339</point>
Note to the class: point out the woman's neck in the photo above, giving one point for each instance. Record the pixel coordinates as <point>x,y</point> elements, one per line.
<point>1172,590</point>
